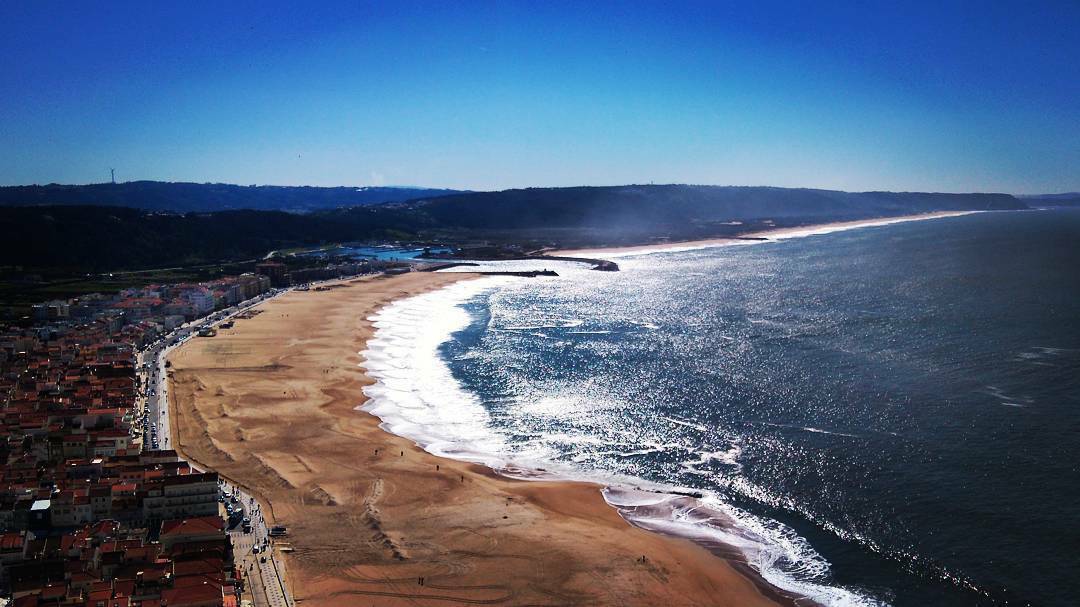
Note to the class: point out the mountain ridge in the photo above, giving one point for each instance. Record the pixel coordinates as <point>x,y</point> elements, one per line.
<point>94,238</point>
<point>184,197</point>
<point>641,208</point>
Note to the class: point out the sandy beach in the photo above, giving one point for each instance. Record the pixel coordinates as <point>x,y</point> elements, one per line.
<point>271,405</point>
<point>774,234</point>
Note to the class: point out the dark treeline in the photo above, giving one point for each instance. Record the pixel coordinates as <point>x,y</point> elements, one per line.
<point>101,239</point>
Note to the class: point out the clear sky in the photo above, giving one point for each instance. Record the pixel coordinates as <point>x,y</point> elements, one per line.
<point>942,96</point>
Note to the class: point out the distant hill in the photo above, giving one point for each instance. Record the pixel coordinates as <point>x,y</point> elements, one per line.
<point>1065,195</point>
<point>104,239</point>
<point>1067,199</point>
<point>207,197</point>
<point>648,208</point>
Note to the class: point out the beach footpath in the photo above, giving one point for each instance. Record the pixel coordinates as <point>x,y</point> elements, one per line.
<point>271,404</point>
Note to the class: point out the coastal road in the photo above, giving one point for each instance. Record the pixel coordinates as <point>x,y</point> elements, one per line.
<point>262,569</point>
<point>152,372</point>
<point>153,423</point>
<point>264,572</point>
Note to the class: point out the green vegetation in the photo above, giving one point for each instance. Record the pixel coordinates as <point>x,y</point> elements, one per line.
<point>79,240</point>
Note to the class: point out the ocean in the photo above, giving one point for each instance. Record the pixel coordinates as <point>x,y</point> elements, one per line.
<point>882,415</point>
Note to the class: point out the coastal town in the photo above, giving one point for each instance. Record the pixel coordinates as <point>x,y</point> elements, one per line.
<point>95,508</point>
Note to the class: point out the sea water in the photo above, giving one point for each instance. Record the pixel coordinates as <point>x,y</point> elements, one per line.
<point>882,415</point>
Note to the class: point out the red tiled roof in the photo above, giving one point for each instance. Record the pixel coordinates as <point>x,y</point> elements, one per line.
<point>124,588</point>
<point>198,567</point>
<point>193,526</point>
<point>11,541</point>
<point>191,595</point>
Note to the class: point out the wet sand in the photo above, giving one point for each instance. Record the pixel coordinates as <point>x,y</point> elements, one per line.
<point>271,404</point>
<point>774,234</point>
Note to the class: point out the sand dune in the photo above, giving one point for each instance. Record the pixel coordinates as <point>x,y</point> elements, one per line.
<point>271,404</point>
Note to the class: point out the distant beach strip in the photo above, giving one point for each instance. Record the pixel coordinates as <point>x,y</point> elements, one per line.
<point>757,236</point>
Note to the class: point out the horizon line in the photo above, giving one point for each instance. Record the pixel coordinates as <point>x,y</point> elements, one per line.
<point>558,187</point>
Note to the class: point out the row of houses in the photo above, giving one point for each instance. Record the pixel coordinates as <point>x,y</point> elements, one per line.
<point>176,563</point>
<point>87,516</point>
<point>129,489</point>
<point>168,304</point>
<point>283,276</point>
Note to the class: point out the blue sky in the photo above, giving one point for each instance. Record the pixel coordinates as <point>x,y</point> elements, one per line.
<point>980,96</point>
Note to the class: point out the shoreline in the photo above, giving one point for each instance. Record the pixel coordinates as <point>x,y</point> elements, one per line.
<point>757,236</point>
<point>270,404</point>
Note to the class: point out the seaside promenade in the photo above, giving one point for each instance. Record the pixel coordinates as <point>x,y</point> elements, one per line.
<point>265,584</point>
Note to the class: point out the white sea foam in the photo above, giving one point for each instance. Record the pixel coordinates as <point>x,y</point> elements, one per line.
<point>416,396</point>
<point>810,429</point>
<point>685,423</point>
<point>782,557</point>
<point>557,324</point>
<point>1009,400</point>
<point>729,456</point>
